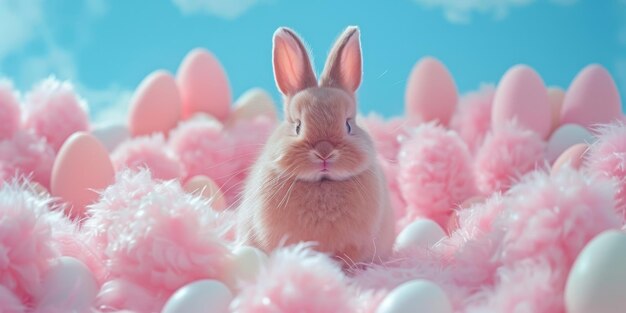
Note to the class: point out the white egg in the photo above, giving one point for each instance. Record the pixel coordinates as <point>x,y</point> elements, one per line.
<point>245,265</point>
<point>416,296</point>
<point>564,137</point>
<point>420,233</point>
<point>253,103</point>
<point>199,297</point>
<point>68,284</point>
<point>248,262</point>
<point>111,135</point>
<point>597,279</point>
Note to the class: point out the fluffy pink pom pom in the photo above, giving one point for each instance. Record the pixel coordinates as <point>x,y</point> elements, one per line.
<point>544,226</point>
<point>523,286</point>
<point>564,212</point>
<point>607,157</point>
<point>206,148</point>
<point>149,152</point>
<point>9,301</point>
<point>472,120</point>
<point>54,111</point>
<point>385,133</point>
<point>9,110</point>
<point>28,230</point>
<point>26,155</point>
<point>156,236</point>
<point>297,279</point>
<point>507,154</point>
<point>435,173</point>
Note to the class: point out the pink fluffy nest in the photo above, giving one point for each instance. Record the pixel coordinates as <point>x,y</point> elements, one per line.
<point>145,237</point>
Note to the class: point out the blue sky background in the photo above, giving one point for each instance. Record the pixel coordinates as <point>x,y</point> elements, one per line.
<point>107,47</point>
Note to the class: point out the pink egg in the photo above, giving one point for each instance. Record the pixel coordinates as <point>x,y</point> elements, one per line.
<point>430,92</point>
<point>574,156</point>
<point>203,85</point>
<point>81,168</point>
<point>592,98</point>
<point>556,96</point>
<point>253,103</point>
<point>156,105</point>
<point>522,96</point>
<point>564,137</point>
<point>203,186</point>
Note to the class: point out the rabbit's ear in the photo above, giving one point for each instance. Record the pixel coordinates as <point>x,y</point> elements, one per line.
<point>343,66</point>
<point>292,67</point>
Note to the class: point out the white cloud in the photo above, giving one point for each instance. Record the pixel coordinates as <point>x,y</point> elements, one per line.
<point>27,21</point>
<point>55,61</point>
<point>228,9</point>
<point>21,22</point>
<point>107,106</point>
<point>460,11</point>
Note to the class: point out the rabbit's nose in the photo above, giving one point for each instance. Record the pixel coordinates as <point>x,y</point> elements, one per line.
<point>324,149</point>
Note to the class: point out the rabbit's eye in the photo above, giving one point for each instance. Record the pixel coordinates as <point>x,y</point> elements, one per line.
<point>348,126</point>
<point>298,125</point>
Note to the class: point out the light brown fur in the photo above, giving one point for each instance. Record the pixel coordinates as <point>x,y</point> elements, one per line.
<point>288,198</point>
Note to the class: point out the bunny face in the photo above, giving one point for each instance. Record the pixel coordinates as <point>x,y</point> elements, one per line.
<point>321,140</point>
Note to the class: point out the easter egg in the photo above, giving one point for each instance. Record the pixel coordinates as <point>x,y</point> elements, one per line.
<point>254,102</point>
<point>592,98</point>
<point>556,96</point>
<point>421,233</point>
<point>198,297</point>
<point>573,156</point>
<point>564,137</point>
<point>68,284</point>
<point>155,106</point>
<point>205,118</point>
<point>522,96</point>
<point>203,85</point>
<point>111,135</point>
<point>205,187</point>
<point>248,262</point>
<point>597,280</point>
<point>81,168</point>
<point>416,296</point>
<point>430,92</point>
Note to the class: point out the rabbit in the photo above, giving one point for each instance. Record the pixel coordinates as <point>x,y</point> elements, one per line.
<point>317,178</point>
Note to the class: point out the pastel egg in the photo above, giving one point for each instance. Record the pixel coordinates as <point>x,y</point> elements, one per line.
<point>430,92</point>
<point>204,117</point>
<point>68,284</point>
<point>205,187</point>
<point>155,106</point>
<point>203,85</point>
<point>248,261</point>
<point>597,280</point>
<point>556,96</point>
<point>564,137</point>
<point>81,168</point>
<point>198,297</point>
<point>521,96</point>
<point>254,102</point>
<point>416,296</point>
<point>421,233</point>
<point>574,156</point>
<point>111,135</point>
<point>592,98</point>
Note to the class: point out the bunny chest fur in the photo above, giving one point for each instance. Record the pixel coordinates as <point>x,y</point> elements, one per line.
<point>335,214</point>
